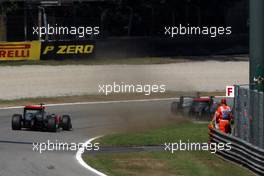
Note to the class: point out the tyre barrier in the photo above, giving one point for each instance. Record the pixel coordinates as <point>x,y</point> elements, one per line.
<point>241,152</point>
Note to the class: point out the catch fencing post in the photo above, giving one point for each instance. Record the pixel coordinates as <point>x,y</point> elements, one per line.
<point>261,120</point>
<point>256,44</point>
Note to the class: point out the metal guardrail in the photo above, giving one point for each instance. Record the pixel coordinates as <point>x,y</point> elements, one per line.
<point>241,152</point>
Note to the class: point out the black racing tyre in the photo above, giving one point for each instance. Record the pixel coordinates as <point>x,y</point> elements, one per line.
<point>16,122</point>
<point>52,124</point>
<point>32,123</point>
<point>193,115</point>
<point>174,107</point>
<point>66,122</point>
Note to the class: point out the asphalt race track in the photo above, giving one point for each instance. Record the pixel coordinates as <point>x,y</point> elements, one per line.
<point>17,157</point>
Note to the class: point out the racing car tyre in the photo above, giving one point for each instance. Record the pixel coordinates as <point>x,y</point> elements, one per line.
<point>32,123</point>
<point>16,122</point>
<point>66,122</point>
<point>52,124</point>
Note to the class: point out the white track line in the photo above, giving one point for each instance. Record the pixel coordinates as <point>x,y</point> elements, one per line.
<point>82,162</point>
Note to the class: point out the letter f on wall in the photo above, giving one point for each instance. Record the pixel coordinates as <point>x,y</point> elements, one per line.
<point>230,91</point>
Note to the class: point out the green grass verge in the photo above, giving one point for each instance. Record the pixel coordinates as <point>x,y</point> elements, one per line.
<point>187,163</point>
<point>183,130</point>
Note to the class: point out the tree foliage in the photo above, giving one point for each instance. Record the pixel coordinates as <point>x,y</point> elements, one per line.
<point>8,6</point>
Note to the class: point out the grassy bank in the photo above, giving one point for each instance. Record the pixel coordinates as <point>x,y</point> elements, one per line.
<point>183,130</point>
<point>188,163</point>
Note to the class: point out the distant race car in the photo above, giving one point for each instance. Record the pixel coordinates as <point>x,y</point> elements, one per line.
<point>36,118</point>
<point>201,108</point>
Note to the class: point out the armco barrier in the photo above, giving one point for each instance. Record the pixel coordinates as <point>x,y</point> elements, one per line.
<point>241,152</point>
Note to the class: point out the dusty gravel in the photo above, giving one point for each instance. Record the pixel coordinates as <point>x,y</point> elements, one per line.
<point>48,81</point>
